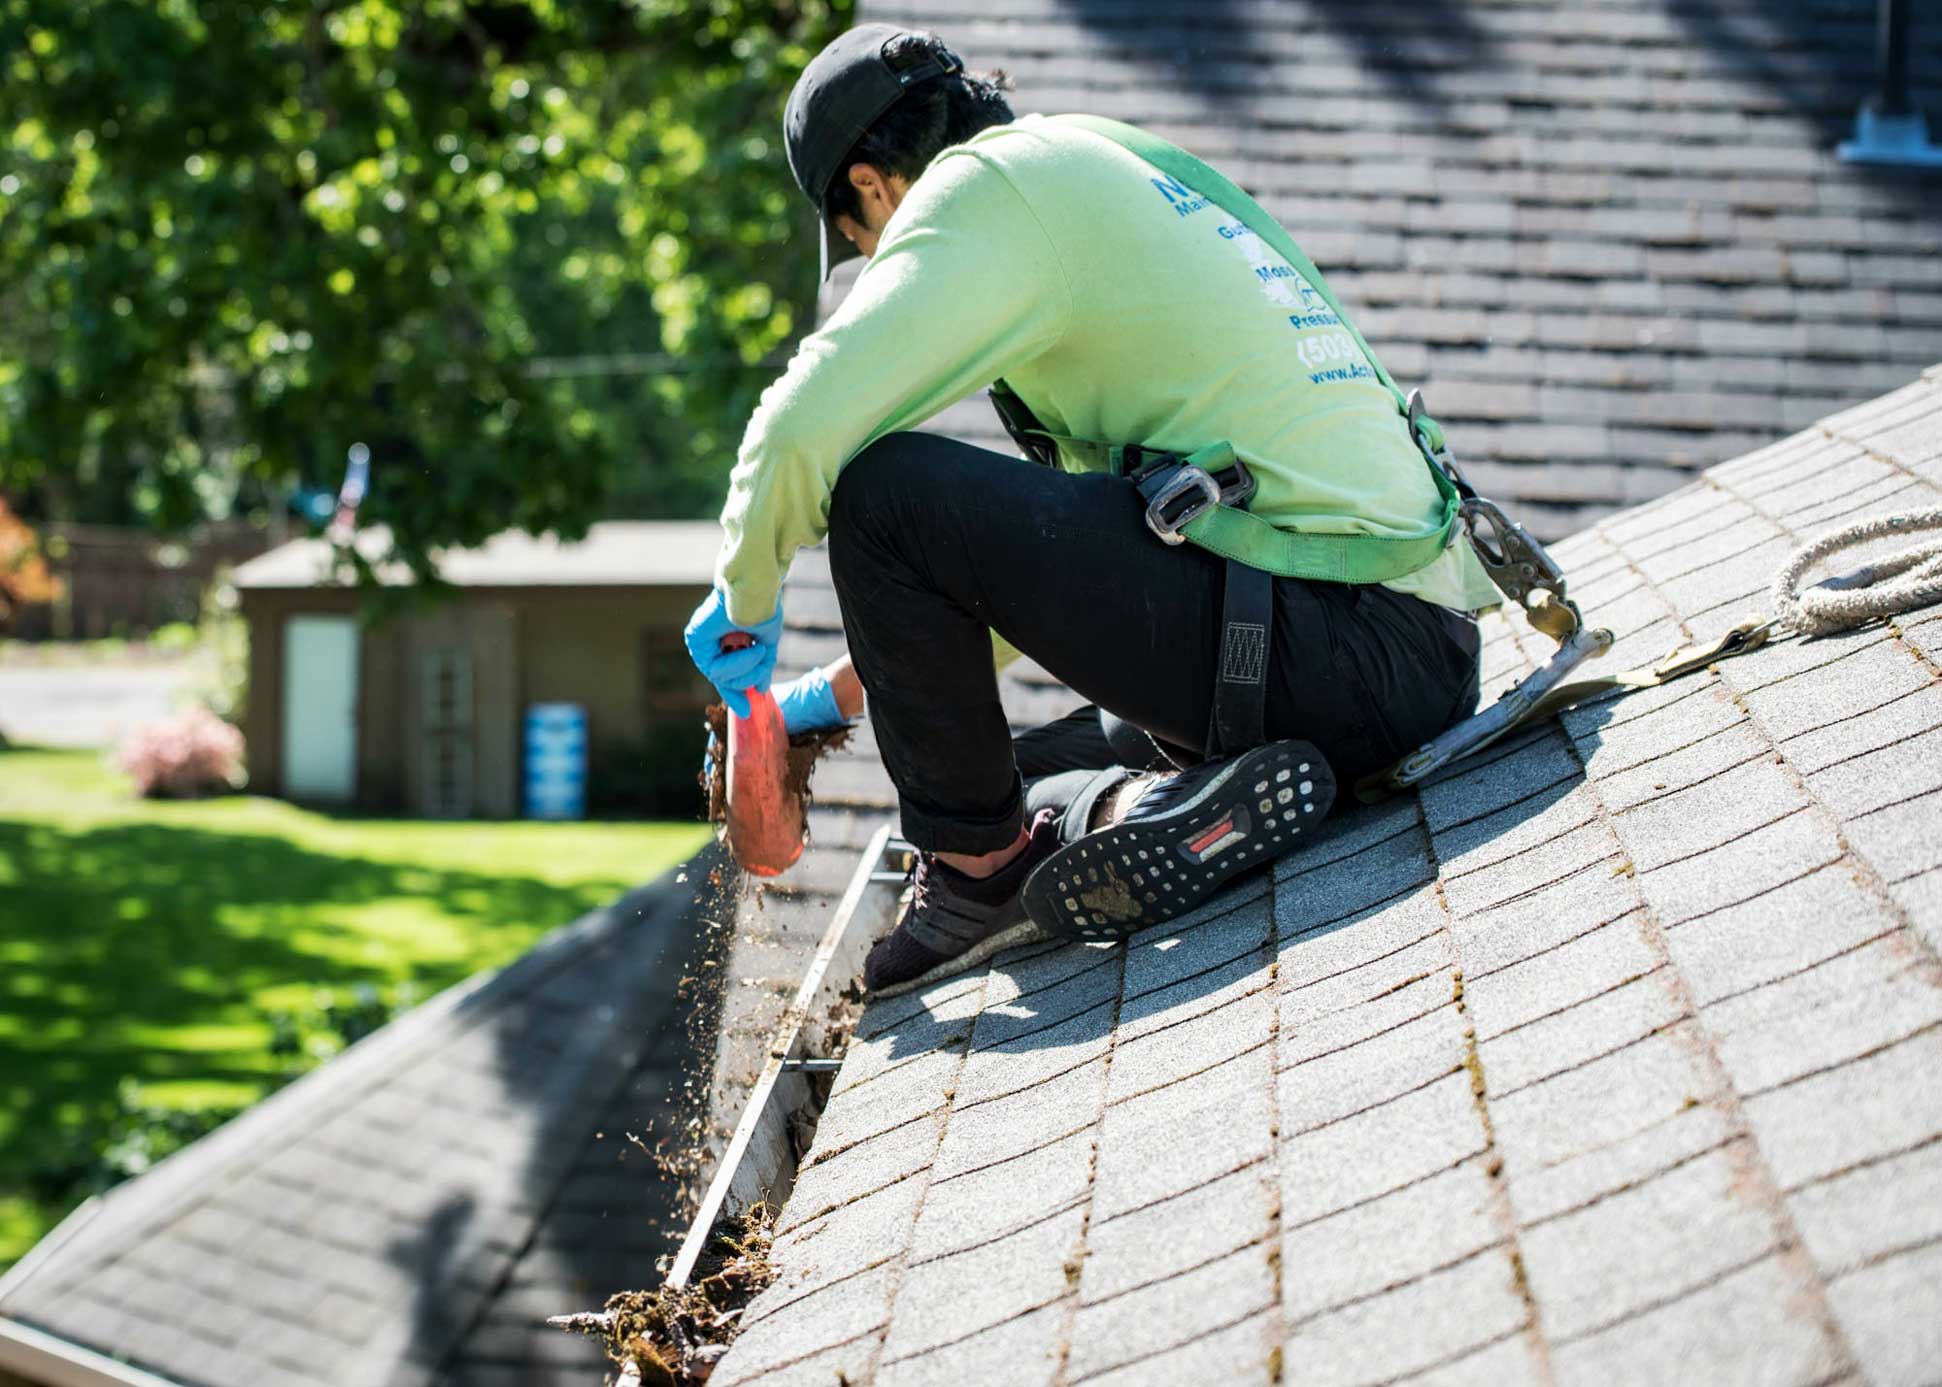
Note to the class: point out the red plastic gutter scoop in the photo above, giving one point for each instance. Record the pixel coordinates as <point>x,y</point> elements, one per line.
<point>766,823</point>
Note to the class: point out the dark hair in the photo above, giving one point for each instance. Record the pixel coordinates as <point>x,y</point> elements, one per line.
<point>928,119</point>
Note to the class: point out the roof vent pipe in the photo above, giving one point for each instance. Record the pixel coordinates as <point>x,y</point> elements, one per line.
<point>1889,130</point>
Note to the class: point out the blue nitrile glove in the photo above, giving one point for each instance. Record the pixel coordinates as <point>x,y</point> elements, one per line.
<point>808,704</point>
<point>732,672</point>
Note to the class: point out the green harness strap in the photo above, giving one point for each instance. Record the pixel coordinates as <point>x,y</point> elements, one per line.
<point>1231,531</point>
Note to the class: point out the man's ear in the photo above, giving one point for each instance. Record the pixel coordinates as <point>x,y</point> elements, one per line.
<point>870,184</point>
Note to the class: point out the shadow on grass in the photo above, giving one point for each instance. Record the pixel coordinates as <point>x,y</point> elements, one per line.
<point>114,936</point>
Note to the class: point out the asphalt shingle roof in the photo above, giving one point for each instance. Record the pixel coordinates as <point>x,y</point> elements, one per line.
<point>410,1212</point>
<point>1615,1056</point>
<point>1611,240</point>
<point>1609,1057</point>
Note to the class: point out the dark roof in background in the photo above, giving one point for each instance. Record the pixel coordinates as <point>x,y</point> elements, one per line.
<point>1611,1057</point>
<point>409,1213</point>
<point>1610,240</point>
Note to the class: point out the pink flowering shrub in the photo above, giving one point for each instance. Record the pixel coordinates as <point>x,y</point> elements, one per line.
<point>193,753</point>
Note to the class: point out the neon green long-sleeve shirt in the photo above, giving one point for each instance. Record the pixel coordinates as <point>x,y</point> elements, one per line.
<point>1119,305</point>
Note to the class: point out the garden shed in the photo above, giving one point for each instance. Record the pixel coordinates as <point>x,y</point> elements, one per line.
<point>422,710</point>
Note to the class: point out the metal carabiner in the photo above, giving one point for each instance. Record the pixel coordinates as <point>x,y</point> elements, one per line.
<point>1187,479</point>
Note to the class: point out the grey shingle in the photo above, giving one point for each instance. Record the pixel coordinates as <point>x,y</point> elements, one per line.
<point>900,1095</point>
<point>1331,1087</point>
<point>1149,1244</point>
<point>1791,927</point>
<point>1423,1323</point>
<point>811,1255</point>
<point>826,1319</point>
<point>1509,1362</point>
<point>1386,1148</point>
<point>1321,956</point>
<point>1740,871</point>
<point>1852,1005</point>
<point>1744,1327</point>
<point>1005,1020</point>
<point>1887,1101</point>
<point>1872,1211</point>
<point>1856,768</point>
<point>1361,1002</point>
<point>1200,987</point>
<point>1898,839</point>
<point>1166,968</point>
<point>831,1178</point>
<point>1709,753</point>
<point>1160,1057</point>
<point>947,1298</point>
<point>1573,972</point>
<point>1649,1243</point>
<point>1892,1345</point>
<point>1587,846</point>
<point>1008,1127</point>
<point>1033,1059</point>
<point>1241,1354</point>
<point>1608,1123</point>
<point>1025,1349</point>
<point>1601,1025</point>
<point>1388,1241</point>
<point>1169,1140</point>
<point>988,1204</point>
<point>1866,679</point>
<point>1119,1330</point>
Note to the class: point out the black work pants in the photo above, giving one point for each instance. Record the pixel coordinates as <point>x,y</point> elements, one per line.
<point>933,543</point>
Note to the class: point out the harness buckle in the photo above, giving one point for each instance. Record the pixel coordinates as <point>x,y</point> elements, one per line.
<point>1522,569</point>
<point>1203,494</point>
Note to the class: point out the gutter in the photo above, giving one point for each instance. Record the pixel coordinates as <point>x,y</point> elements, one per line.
<point>760,1163</point>
<point>42,1358</point>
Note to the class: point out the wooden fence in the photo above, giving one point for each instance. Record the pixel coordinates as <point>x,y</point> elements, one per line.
<point>127,582</point>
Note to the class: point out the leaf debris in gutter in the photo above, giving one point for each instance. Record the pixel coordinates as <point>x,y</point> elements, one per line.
<point>675,1336</point>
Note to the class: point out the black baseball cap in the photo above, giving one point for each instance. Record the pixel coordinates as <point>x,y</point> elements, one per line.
<point>839,96</point>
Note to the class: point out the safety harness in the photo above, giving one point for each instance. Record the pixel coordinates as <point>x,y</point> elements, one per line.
<point>1202,497</point>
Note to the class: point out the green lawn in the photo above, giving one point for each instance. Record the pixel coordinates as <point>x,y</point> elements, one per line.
<point>147,947</point>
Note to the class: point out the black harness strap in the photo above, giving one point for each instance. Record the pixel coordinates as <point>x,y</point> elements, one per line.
<point>1239,719</point>
<point>1023,425</point>
<point>1241,688</point>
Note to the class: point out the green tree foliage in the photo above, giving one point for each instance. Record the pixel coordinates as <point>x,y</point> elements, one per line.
<point>238,235</point>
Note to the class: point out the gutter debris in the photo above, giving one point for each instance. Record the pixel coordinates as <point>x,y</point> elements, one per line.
<point>805,750</point>
<point>675,1336</point>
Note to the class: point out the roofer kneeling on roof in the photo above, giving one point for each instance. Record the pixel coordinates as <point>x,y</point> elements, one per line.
<point>1111,291</point>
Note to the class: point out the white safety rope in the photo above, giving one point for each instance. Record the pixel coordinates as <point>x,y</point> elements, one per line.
<point>1866,593</point>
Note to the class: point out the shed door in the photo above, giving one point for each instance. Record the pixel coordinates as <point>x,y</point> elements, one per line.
<point>320,708</point>
<point>445,732</point>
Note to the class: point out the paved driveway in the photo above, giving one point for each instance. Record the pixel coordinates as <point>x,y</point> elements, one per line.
<point>86,705</point>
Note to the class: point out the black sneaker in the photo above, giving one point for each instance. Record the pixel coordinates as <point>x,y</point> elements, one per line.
<point>1181,841</point>
<point>952,922</point>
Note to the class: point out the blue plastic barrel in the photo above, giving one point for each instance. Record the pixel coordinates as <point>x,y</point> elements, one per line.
<point>556,761</point>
